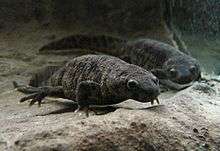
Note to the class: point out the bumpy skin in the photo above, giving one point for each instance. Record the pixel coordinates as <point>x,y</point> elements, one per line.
<point>174,68</point>
<point>95,80</point>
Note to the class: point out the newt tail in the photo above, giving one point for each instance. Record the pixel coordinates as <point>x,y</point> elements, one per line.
<point>100,43</point>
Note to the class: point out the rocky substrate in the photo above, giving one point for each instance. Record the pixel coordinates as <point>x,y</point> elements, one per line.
<point>187,120</point>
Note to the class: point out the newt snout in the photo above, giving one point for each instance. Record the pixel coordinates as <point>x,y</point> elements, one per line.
<point>183,74</point>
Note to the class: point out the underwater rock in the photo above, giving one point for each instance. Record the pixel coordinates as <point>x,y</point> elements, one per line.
<point>183,121</point>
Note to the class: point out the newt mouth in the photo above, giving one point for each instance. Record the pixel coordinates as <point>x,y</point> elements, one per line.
<point>172,85</point>
<point>157,100</point>
<point>147,99</point>
<point>151,100</point>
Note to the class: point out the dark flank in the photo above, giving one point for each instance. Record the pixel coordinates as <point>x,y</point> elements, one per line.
<point>174,68</point>
<point>93,80</point>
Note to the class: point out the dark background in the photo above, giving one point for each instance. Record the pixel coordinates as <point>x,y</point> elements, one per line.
<point>196,22</point>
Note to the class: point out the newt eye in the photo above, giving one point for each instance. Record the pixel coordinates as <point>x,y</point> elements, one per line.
<point>192,69</point>
<point>173,72</point>
<point>156,81</point>
<point>132,84</point>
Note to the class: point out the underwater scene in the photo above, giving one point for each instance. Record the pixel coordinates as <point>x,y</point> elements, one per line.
<point>110,75</point>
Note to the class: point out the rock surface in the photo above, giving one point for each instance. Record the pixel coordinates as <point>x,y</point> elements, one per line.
<point>187,120</point>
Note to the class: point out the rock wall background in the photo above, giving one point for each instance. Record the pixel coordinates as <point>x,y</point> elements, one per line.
<point>194,21</point>
<point>199,17</point>
<point>115,15</point>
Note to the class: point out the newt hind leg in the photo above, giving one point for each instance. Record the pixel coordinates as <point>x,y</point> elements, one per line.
<point>26,89</point>
<point>37,94</point>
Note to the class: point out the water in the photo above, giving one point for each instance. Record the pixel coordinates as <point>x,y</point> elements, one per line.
<point>198,22</point>
<point>207,51</point>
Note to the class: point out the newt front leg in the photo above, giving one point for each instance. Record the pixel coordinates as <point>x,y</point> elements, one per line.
<point>87,93</point>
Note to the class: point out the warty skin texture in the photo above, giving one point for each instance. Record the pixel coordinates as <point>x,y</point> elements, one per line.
<point>175,69</point>
<point>95,80</point>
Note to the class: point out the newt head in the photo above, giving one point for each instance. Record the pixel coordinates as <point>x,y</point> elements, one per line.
<point>179,72</point>
<point>140,86</point>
